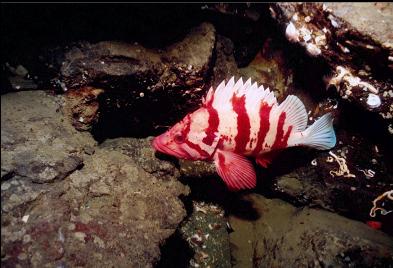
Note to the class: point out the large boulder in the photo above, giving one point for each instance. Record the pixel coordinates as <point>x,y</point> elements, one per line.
<point>281,234</point>
<point>130,82</point>
<point>67,202</point>
<point>136,69</point>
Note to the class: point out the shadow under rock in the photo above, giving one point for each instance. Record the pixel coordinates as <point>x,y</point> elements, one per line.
<point>175,252</point>
<point>285,162</point>
<point>213,190</point>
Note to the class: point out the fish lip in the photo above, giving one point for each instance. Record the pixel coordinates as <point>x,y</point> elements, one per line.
<point>158,146</point>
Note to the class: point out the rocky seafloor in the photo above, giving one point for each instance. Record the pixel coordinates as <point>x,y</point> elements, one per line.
<point>81,185</point>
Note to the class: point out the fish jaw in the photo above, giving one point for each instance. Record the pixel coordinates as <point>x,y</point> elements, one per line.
<point>163,144</point>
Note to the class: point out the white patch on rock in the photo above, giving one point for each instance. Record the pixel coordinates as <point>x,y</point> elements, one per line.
<point>292,33</point>
<point>80,236</point>
<point>313,50</point>
<point>373,101</point>
<point>344,78</point>
<point>390,128</point>
<point>25,218</point>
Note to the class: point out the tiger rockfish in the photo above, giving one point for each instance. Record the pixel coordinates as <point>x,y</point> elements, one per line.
<point>240,120</point>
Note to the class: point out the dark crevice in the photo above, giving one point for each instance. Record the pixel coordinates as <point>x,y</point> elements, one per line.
<point>175,252</point>
<point>9,175</point>
<point>121,114</point>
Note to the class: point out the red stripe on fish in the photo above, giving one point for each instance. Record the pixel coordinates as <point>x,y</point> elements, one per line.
<point>187,128</point>
<point>264,125</point>
<point>243,123</point>
<point>197,148</point>
<point>281,139</point>
<point>212,126</point>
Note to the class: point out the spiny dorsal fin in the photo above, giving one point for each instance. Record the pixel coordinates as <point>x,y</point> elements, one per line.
<point>225,91</point>
<point>209,96</point>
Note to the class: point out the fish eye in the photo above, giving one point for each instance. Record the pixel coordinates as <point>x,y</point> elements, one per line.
<point>178,138</point>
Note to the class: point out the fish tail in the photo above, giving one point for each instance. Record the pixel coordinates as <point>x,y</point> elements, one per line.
<point>319,135</point>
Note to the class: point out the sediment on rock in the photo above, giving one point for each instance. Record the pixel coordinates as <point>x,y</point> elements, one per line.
<point>67,202</point>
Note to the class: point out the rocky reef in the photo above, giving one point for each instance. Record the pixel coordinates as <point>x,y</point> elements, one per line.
<point>82,186</point>
<point>67,201</point>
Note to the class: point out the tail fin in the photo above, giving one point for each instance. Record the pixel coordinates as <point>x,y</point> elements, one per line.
<point>319,135</point>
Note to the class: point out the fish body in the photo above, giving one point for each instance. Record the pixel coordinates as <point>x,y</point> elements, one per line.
<point>241,120</point>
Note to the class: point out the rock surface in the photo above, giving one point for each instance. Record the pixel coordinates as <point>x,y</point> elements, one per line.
<point>306,237</point>
<point>98,207</point>
<point>37,140</point>
<point>206,232</point>
<point>354,40</point>
<point>82,107</point>
<point>320,186</point>
<point>137,82</point>
<point>116,64</point>
<point>144,155</point>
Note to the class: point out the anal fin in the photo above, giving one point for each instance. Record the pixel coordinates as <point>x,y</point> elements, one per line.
<point>236,170</point>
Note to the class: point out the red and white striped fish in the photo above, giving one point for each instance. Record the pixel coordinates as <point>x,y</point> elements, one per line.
<point>240,120</point>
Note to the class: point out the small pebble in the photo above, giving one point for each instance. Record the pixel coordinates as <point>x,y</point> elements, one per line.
<point>25,218</point>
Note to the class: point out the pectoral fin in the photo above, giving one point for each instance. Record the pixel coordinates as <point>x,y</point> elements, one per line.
<point>236,170</point>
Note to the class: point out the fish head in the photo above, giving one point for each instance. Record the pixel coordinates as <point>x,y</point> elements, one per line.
<point>184,140</point>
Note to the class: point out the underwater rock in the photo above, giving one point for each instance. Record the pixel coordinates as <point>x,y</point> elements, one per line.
<point>129,67</point>
<point>269,69</point>
<point>133,78</point>
<point>38,142</point>
<point>225,65</point>
<point>345,180</point>
<point>144,156</point>
<point>373,19</point>
<point>19,83</point>
<point>110,212</point>
<point>67,202</point>
<point>285,234</point>
<point>82,107</point>
<point>16,78</point>
<point>354,39</point>
<point>206,233</point>
<point>138,210</point>
<point>197,169</point>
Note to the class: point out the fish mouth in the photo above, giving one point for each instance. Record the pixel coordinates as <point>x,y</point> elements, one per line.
<point>158,144</point>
